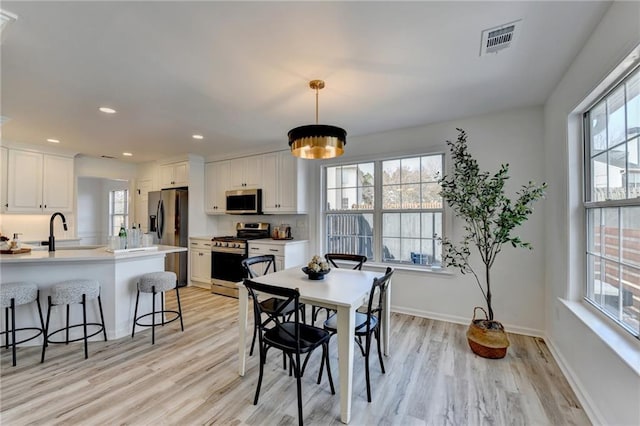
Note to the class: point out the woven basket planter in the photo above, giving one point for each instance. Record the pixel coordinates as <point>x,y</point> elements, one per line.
<point>487,338</point>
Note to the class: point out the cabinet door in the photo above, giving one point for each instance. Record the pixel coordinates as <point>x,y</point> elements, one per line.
<point>166,176</point>
<point>24,181</point>
<point>201,266</point>
<point>57,191</point>
<point>253,171</point>
<point>181,174</point>
<point>216,183</point>
<point>270,183</point>
<point>287,183</point>
<point>3,178</point>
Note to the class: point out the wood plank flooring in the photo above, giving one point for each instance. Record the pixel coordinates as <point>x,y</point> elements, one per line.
<point>191,378</point>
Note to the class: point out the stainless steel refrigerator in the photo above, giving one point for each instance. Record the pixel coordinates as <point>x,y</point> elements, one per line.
<point>168,220</point>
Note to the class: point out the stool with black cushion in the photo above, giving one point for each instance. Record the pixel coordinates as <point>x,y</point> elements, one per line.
<point>13,295</point>
<point>69,293</point>
<point>154,283</point>
<point>368,323</point>
<point>293,338</point>
<point>354,261</point>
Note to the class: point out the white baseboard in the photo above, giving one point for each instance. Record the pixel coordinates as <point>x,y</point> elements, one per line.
<point>589,407</point>
<point>464,320</point>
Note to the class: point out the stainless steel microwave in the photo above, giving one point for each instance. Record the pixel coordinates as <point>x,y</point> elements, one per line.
<point>244,201</point>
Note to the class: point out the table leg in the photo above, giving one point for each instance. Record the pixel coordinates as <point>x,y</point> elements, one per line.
<point>243,299</point>
<point>346,325</point>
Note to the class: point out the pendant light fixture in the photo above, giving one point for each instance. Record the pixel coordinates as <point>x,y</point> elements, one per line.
<point>317,141</point>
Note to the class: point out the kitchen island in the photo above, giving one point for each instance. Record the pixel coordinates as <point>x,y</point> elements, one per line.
<point>117,273</point>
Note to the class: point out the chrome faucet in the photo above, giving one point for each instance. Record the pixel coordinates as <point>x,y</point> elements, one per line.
<point>52,239</point>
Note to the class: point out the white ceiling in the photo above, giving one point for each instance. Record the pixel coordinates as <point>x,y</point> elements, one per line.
<point>238,72</point>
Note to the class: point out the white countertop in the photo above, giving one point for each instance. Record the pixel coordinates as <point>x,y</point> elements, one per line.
<point>93,254</point>
<point>276,242</point>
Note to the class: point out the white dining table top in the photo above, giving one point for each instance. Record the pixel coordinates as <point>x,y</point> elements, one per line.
<point>340,287</point>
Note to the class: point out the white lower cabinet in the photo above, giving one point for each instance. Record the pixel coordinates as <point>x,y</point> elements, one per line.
<point>288,253</point>
<point>200,262</point>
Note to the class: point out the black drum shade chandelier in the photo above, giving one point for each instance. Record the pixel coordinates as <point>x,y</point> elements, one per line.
<point>317,141</point>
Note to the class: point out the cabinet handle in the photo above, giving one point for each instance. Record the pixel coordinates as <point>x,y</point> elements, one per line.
<point>40,205</point>
<point>273,249</point>
<point>45,206</point>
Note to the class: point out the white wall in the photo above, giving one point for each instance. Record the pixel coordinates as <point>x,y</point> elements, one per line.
<point>514,137</point>
<point>608,387</point>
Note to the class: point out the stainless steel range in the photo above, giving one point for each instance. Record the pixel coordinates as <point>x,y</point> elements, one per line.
<point>227,253</point>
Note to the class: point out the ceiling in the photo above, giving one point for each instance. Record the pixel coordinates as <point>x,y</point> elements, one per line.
<point>238,72</point>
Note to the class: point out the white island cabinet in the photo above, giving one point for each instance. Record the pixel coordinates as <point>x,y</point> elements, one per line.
<point>118,275</point>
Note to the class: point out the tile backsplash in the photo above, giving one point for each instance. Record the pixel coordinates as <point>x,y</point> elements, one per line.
<point>226,225</point>
<point>35,227</point>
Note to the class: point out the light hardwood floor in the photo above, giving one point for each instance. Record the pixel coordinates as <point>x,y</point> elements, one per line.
<point>191,378</point>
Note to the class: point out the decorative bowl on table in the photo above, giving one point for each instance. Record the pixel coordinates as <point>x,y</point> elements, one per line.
<point>317,268</point>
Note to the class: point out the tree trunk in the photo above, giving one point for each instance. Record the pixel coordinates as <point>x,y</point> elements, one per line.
<point>489,308</point>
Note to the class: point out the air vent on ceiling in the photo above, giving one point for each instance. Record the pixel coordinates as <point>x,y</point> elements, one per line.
<point>107,156</point>
<point>498,38</point>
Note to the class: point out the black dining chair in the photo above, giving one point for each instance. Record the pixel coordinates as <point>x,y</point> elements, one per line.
<point>257,266</point>
<point>368,324</point>
<point>291,337</point>
<point>354,261</point>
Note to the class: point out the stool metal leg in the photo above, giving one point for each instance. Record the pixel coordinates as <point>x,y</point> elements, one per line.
<point>40,310</point>
<point>84,326</point>
<point>6,323</point>
<point>104,329</point>
<point>13,330</point>
<point>153,315</point>
<point>162,306</point>
<point>179,308</point>
<point>67,333</point>
<point>46,330</point>
<point>135,315</point>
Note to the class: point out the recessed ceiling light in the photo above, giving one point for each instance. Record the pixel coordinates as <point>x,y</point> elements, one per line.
<point>199,137</point>
<point>53,140</point>
<point>127,154</point>
<point>107,110</point>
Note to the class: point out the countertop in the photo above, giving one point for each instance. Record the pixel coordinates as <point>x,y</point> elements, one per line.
<point>276,242</point>
<point>90,254</point>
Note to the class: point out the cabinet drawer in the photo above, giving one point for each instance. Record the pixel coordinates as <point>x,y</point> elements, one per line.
<point>257,249</point>
<point>200,244</point>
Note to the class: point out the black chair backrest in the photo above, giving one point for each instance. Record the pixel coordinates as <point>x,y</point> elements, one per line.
<point>260,292</point>
<point>357,259</point>
<point>379,286</point>
<point>259,265</point>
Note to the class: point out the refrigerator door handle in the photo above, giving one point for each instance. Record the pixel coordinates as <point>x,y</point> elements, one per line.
<point>160,215</point>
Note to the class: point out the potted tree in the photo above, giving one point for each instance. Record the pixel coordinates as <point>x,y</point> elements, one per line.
<point>490,218</point>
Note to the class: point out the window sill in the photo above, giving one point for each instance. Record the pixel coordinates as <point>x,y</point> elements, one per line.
<point>621,343</point>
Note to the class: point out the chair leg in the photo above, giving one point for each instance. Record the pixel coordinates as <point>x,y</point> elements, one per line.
<point>253,341</point>
<point>333,390</point>
<point>379,350</point>
<point>84,326</point>
<point>13,330</point>
<point>135,315</point>
<point>104,328</point>
<point>299,386</point>
<point>324,355</point>
<point>46,330</point>
<point>366,367</point>
<point>262,356</point>
<point>179,308</point>
<point>153,315</point>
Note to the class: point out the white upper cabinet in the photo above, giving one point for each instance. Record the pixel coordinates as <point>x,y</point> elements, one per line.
<point>39,182</point>
<point>284,188</point>
<point>246,173</point>
<point>216,182</point>
<point>174,175</point>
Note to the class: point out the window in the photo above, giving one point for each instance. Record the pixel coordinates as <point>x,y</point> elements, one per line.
<point>388,210</point>
<point>612,203</point>
<point>118,210</point>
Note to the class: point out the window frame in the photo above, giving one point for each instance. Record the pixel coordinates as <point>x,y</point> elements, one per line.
<point>619,205</point>
<point>378,211</point>
<point>111,210</point>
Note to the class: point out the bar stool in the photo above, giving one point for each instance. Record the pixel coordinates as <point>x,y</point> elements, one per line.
<point>73,292</point>
<point>154,283</point>
<point>16,294</point>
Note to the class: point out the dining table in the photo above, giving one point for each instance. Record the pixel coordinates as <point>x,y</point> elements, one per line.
<point>342,290</point>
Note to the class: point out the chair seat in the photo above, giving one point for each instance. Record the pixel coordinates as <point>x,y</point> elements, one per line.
<point>361,323</point>
<point>21,292</point>
<point>161,281</point>
<point>310,337</point>
<point>68,292</point>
